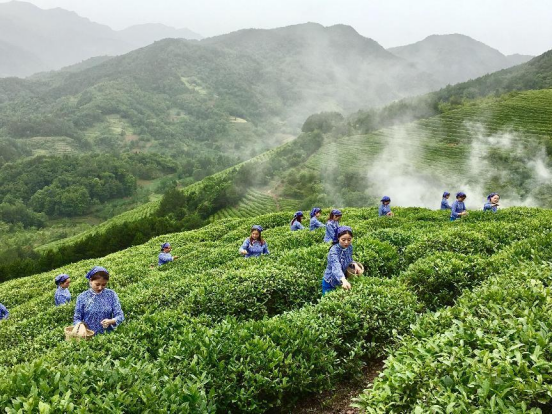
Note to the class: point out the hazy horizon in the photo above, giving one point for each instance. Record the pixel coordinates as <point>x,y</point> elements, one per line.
<point>506,26</point>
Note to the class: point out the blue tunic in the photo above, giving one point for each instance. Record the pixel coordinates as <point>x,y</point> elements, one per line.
<point>164,258</point>
<point>456,208</point>
<point>296,226</point>
<point>92,308</point>
<point>489,206</point>
<point>255,249</point>
<point>62,296</point>
<point>383,210</point>
<point>338,260</point>
<point>330,233</point>
<point>4,314</point>
<point>314,223</point>
<point>445,205</point>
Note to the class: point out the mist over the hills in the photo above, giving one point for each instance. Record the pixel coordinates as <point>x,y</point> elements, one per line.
<point>34,40</point>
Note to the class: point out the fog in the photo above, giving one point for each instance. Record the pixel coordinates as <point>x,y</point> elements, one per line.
<point>397,171</point>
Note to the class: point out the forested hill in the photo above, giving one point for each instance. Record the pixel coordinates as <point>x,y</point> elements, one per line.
<point>231,94</point>
<point>143,103</point>
<point>300,70</point>
<point>493,144</point>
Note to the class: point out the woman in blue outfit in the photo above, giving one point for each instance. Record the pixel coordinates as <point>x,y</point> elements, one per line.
<point>165,255</point>
<point>314,223</point>
<point>4,313</point>
<point>98,307</point>
<point>332,226</point>
<point>62,295</point>
<point>296,225</point>
<point>338,259</point>
<point>493,203</point>
<point>384,209</point>
<point>255,245</point>
<point>445,204</point>
<point>458,209</point>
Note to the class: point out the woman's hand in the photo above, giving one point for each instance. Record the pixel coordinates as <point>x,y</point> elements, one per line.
<point>390,214</point>
<point>357,268</point>
<point>175,257</point>
<point>107,322</point>
<point>244,252</point>
<point>345,284</point>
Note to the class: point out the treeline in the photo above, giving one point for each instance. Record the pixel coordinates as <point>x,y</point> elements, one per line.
<point>178,211</point>
<point>44,187</point>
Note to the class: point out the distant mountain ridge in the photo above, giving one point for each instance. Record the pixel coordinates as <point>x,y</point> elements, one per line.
<point>35,40</point>
<point>456,58</point>
<point>40,40</point>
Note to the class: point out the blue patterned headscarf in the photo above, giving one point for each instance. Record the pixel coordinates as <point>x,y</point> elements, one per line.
<point>257,228</point>
<point>492,195</point>
<point>314,211</point>
<point>460,194</point>
<point>298,214</point>
<point>165,245</point>
<point>446,194</point>
<point>61,278</point>
<point>336,212</point>
<point>96,270</point>
<point>343,229</point>
<point>385,199</point>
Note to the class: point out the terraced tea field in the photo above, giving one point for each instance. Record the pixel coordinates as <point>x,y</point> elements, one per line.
<point>214,332</point>
<point>256,203</point>
<point>441,145</point>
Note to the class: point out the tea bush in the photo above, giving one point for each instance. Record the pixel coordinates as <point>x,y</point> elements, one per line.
<point>490,353</point>
<point>215,332</point>
<point>439,279</point>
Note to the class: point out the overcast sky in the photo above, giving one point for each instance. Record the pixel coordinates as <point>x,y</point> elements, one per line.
<point>511,26</point>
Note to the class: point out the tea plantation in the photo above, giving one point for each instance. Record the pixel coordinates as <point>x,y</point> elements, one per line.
<point>461,311</point>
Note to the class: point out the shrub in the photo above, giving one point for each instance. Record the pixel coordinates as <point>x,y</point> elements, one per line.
<point>491,353</point>
<point>439,279</point>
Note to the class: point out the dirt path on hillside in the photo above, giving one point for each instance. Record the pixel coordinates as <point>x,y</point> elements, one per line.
<point>339,401</point>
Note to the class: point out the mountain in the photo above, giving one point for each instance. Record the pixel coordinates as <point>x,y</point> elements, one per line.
<point>327,68</point>
<point>141,35</point>
<point>203,104</point>
<point>518,59</point>
<point>54,38</point>
<point>455,58</point>
<point>268,81</point>
<point>16,60</point>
